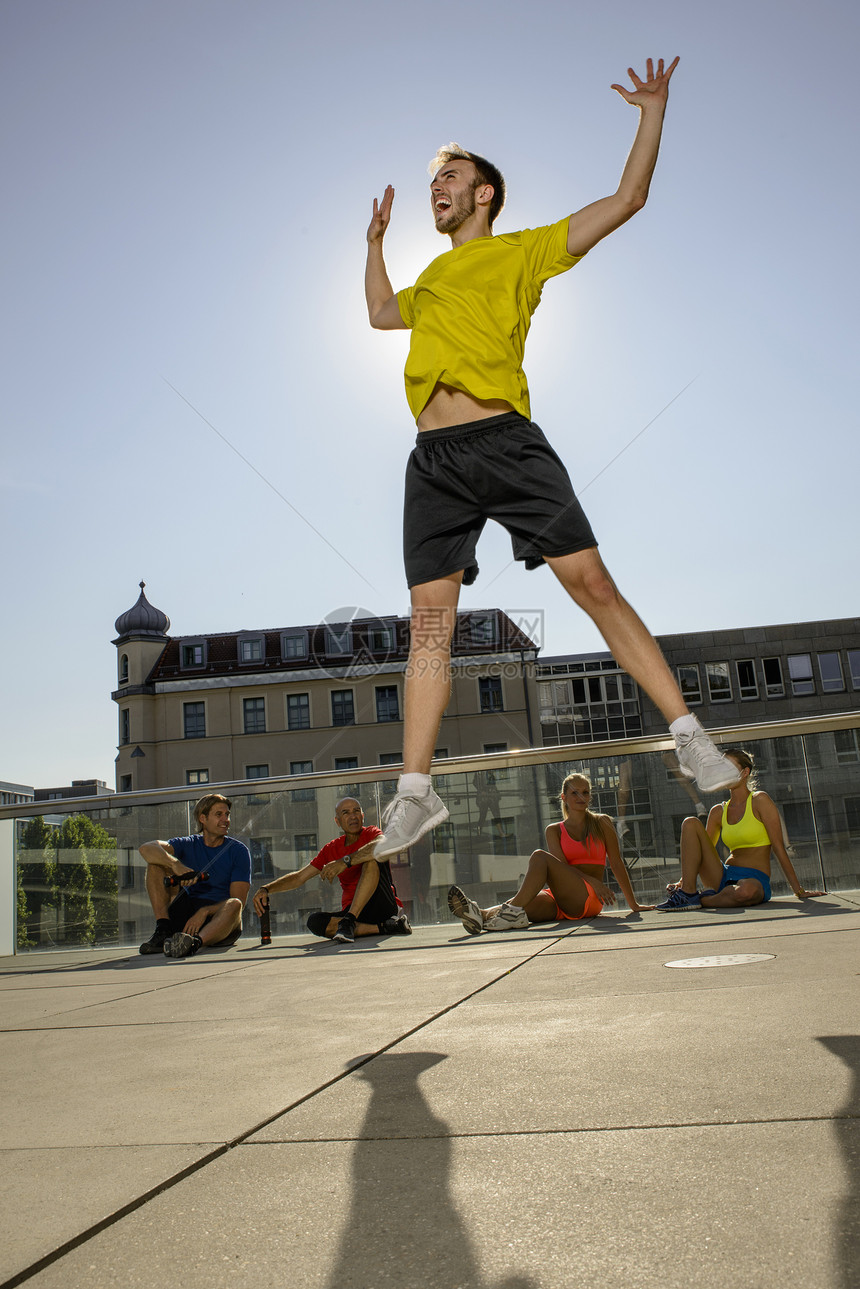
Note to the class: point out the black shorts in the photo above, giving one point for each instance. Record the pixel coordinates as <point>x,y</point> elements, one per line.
<point>185,906</point>
<point>502,468</point>
<point>381,905</point>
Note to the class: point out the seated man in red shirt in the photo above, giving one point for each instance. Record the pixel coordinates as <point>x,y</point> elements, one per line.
<point>369,903</point>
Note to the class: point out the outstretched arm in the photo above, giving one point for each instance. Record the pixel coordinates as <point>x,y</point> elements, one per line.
<point>382,307</point>
<point>591,224</point>
<point>767,812</point>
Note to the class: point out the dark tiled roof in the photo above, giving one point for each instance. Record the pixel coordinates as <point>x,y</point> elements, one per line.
<point>365,644</point>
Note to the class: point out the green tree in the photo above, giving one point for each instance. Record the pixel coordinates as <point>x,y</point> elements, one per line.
<point>88,880</point>
<point>37,871</point>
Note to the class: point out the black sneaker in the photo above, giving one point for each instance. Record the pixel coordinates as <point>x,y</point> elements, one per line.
<point>182,945</point>
<point>155,943</point>
<point>399,925</point>
<point>345,932</point>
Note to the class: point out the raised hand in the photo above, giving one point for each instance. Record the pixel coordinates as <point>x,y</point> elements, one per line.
<point>655,87</point>
<point>381,216</point>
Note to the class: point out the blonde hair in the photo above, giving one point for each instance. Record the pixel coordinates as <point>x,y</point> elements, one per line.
<point>592,821</point>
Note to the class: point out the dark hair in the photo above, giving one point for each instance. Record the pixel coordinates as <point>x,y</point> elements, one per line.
<point>745,761</point>
<point>487,173</point>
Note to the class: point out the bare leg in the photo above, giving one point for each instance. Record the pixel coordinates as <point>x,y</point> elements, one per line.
<point>228,917</point>
<point>569,890</point>
<point>698,857</point>
<point>585,578</point>
<point>742,894</point>
<point>428,672</point>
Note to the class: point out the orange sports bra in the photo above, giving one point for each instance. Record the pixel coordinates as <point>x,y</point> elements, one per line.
<point>748,831</point>
<point>591,851</point>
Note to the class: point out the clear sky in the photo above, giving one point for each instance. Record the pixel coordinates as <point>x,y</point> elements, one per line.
<point>188,185</point>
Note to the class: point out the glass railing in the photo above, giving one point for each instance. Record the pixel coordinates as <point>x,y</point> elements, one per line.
<point>76,879</point>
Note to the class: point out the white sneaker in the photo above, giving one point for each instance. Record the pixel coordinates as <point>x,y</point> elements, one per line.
<point>466,910</point>
<point>700,759</point>
<point>510,917</point>
<point>406,818</point>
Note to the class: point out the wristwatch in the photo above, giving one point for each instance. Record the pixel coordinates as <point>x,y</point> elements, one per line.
<point>347,859</point>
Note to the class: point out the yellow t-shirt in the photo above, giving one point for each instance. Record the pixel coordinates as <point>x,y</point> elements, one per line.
<point>470,312</point>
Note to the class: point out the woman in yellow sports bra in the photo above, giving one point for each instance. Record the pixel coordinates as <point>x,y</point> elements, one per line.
<point>750,826</point>
<point>564,883</point>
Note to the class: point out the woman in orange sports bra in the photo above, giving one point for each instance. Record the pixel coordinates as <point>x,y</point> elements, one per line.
<point>750,826</point>
<point>563,882</point>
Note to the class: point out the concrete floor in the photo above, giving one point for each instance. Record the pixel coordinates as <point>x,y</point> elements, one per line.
<point>553,1107</point>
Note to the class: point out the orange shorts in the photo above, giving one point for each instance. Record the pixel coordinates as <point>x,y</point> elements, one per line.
<point>593,904</point>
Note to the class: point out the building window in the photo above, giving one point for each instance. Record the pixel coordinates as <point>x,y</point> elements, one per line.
<point>342,707</point>
<point>847,746</point>
<point>830,669</point>
<point>302,767</point>
<point>124,726</point>
<point>346,762</point>
<point>440,754</point>
<point>800,671</point>
<point>483,631</point>
<point>294,646</point>
<point>382,639</point>
<point>254,715</point>
<point>747,683</point>
<point>719,683</point>
<point>387,705</point>
<point>196,776</point>
<point>490,748</point>
<point>125,783</point>
<point>390,758</point>
<point>257,771</point>
<point>773,685</point>
<point>127,879</point>
<point>261,857</point>
<point>852,817</point>
<point>338,640</point>
<point>298,711</point>
<point>194,720</point>
<point>192,655</point>
<point>123,669</point>
<point>252,649</point>
<point>691,688</point>
<point>854,667</point>
<point>491,693</point>
<point>305,847</point>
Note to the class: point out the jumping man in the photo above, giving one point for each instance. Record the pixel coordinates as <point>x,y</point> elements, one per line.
<point>478,455</point>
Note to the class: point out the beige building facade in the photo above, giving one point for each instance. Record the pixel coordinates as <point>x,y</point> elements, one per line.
<point>301,700</point>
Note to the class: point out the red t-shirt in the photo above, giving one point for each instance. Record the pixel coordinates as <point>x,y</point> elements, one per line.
<point>338,849</point>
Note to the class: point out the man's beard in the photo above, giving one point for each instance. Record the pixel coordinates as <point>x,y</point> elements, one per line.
<point>462,207</point>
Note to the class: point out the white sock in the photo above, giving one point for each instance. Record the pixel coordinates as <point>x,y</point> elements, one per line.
<point>414,785</point>
<point>685,725</point>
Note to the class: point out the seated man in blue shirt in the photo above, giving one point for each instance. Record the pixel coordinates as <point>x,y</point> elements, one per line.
<point>206,910</point>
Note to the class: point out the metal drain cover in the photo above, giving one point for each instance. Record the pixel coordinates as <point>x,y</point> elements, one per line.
<point>721,960</point>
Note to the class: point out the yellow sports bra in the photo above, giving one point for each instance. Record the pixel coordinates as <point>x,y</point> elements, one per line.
<point>748,831</point>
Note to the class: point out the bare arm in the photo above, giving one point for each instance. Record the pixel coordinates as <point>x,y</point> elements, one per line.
<point>382,307</point>
<point>765,810</point>
<point>591,224</point>
<point>335,867</point>
<point>289,882</point>
<point>161,854</point>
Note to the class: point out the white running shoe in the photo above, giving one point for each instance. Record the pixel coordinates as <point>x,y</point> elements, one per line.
<point>510,917</point>
<point>700,759</point>
<point>466,910</point>
<point>406,818</point>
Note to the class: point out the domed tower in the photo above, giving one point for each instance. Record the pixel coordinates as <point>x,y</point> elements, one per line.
<point>141,640</point>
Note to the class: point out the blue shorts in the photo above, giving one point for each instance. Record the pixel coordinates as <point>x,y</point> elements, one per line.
<point>733,873</point>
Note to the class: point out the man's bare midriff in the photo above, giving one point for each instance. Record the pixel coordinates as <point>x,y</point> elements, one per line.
<point>447,406</point>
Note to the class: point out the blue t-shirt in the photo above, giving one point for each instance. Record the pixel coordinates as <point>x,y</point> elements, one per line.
<point>229,862</point>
